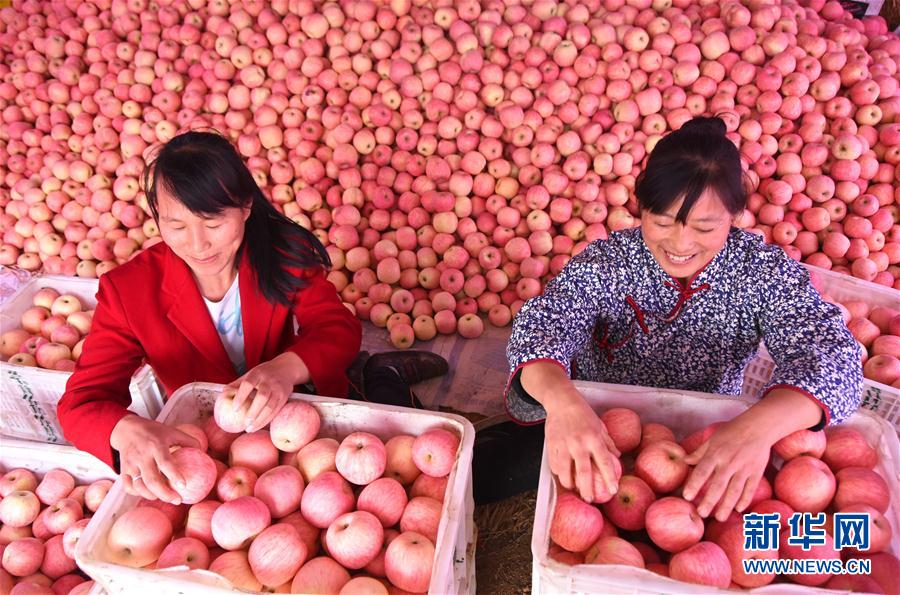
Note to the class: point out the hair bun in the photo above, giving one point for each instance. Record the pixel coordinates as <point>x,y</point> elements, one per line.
<point>706,125</point>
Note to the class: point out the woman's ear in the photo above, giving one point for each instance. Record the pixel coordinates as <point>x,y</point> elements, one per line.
<point>245,213</point>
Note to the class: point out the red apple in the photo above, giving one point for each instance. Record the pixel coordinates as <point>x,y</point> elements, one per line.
<point>400,464</point>
<point>316,458</point>
<point>294,426</point>
<point>434,452</point>
<point>235,523</point>
<point>673,524</point>
<point>576,525</point>
<point>227,417</point>
<point>72,535</point>
<point>885,570</point>
<point>23,556</point>
<point>652,432</point>
<point>731,540</point>
<point>199,521</point>
<point>277,554</point>
<point>364,584</point>
<point>801,442</point>
<point>704,563</point>
<point>62,515</point>
<point>432,487</point>
<point>624,427</point>
<point>325,498</point>
<point>859,485</point>
<point>825,551</point>
<point>846,447</point>
<point>198,472</point>
<point>139,536</point>
<point>806,484</point>
<point>95,494</point>
<point>185,551</point>
<point>408,562</point>
<point>235,567</point>
<point>422,515</point>
<point>361,458</point>
<point>254,451</point>
<point>320,575</point>
<point>614,550</point>
<point>17,480</point>
<point>385,498</point>
<point>354,539</point>
<point>19,509</point>
<point>235,483</point>
<point>880,531</point>
<point>281,489</point>
<point>661,464</point>
<point>629,506</point>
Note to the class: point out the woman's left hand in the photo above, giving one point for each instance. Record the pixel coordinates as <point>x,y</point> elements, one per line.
<point>268,385</point>
<point>730,465</point>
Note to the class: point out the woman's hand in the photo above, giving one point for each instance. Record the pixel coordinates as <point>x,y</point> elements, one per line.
<point>145,457</point>
<point>730,464</point>
<point>574,434</point>
<point>732,461</point>
<point>268,385</point>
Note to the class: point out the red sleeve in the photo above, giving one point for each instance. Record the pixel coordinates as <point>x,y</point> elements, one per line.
<point>329,336</point>
<point>97,394</point>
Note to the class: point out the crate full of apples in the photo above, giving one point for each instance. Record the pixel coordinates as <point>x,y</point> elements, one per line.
<point>44,324</point>
<point>648,539</point>
<point>48,493</point>
<point>333,494</point>
<point>872,314</point>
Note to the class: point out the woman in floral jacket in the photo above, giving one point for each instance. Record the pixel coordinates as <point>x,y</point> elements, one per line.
<point>683,302</point>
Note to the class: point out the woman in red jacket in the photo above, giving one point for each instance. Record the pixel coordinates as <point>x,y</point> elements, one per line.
<point>216,301</point>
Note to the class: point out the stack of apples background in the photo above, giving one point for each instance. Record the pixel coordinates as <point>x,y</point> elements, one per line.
<point>452,156</point>
<point>42,522</point>
<point>286,510</point>
<point>51,334</point>
<point>649,525</point>
<point>877,330</point>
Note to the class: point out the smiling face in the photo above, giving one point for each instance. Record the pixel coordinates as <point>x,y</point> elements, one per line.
<point>682,249</point>
<point>208,245</point>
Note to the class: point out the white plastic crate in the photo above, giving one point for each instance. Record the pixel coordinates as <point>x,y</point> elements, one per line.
<point>40,458</point>
<point>879,398</point>
<point>454,565</point>
<point>28,395</point>
<point>684,412</point>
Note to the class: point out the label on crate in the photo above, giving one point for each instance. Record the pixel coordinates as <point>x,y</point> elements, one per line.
<point>31,413</point>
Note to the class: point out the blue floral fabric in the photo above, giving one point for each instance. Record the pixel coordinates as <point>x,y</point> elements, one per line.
<point>614,315</point>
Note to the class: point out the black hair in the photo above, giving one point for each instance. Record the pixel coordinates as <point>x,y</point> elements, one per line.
<point>686,162</point>
<point>203,171</point>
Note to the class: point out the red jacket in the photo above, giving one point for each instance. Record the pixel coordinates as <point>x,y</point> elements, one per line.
<point>151,309</point>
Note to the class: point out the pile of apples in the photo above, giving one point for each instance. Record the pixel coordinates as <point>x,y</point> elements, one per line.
<point>52,332</point>
<point>293,512</point>
<point>452,157</point>
<point>42,522</point>
<point>649,525</point>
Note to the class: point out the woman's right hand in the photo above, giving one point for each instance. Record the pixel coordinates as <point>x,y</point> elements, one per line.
<point>575,436</point>
<point>145,458</point>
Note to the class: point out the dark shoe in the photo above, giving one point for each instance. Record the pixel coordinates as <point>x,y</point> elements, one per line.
<point>383,385</point>
<point>412,366</point>
<point>355,376</point>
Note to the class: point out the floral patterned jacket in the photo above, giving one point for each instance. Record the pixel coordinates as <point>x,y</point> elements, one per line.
<point>613,315</point>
